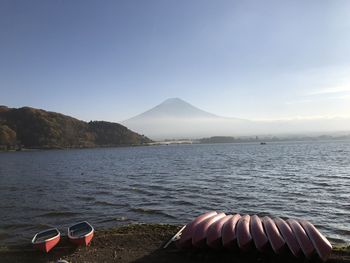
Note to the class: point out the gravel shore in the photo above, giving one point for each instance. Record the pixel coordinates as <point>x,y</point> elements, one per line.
<point>142,243</point>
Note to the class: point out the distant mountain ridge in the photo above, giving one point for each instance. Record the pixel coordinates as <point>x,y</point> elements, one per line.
<point>36,128</point>
<point>177,119</point>
<point>174,108</point>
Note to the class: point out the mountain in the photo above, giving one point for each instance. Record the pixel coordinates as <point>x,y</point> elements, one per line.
<point>173,108</point>
<point>177,119</point>
<point>36,128</point>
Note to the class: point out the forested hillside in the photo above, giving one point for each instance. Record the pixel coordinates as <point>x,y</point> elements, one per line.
<point>34,128</point>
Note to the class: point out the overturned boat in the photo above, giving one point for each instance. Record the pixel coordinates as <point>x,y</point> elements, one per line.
<point>218,230</point>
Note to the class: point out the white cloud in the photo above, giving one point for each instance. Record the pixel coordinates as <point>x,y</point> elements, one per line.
<point>330,90</point>
<point>307,117</point>
<point>330,93</point>
<point>342,97</point>
<point>292,102</point>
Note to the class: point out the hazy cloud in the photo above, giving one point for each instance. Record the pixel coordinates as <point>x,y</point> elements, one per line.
<point>342,97</point>
<point>330,93</point>
<point>298,101</point>
<point>330,90</point>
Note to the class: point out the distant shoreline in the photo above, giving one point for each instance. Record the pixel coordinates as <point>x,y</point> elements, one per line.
<point>181,142</point>
<point>224,140</point>
<point>70,148</point>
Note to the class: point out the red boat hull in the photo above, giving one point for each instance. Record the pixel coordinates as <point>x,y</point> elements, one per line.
<point>82,241</point>
<point>47,245</point>
<point>81,233</point>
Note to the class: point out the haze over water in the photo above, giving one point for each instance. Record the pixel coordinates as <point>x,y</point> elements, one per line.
<point>172,184</point>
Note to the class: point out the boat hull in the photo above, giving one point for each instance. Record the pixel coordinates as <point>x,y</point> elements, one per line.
<point>244,238</point>
<point>321,244</point>
<point>257,231</point>
<point>47,246</point>
<point>302,238</point>
<point>275,238</point>
<point>200,232</point>
<point>214,233</point>
<point>185,240</point>
<point>229,233</point>
<point>82,241</point>
<point>217,230</point>
<point>81,234</point>
<point>288,236</point>
<point>46,240</point>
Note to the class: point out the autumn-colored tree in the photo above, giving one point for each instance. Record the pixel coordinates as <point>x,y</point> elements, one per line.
<point>34,128</point>
<point>7,136</point>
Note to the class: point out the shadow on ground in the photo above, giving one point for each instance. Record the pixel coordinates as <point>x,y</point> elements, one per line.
<point>24,254</point>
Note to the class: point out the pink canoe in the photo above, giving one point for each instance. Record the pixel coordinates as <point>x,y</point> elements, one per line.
<point>244,238</point>
<point>321,244</point>
<point>215,230</point>
<point>185,240</point>
<point>288,236</point>
<point>229,233</point>
<point>302,238</point>
<point>200,232</point>
<point>214,233</point>
<point>273,234</point>
<point>257,231</point>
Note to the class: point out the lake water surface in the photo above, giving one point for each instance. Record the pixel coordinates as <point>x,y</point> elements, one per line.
<point>173,184</point>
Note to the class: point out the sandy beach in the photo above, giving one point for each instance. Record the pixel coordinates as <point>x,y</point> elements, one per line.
<point>142,243</point>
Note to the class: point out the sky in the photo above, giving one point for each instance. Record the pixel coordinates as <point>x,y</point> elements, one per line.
<point>111,60</point>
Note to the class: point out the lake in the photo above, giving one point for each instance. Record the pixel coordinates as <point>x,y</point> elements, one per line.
<point>173,184</point>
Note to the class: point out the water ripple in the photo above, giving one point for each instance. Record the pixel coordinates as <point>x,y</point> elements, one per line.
<point>173,184</point>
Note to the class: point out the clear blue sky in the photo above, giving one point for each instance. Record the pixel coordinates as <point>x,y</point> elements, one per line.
<point>114,59</point>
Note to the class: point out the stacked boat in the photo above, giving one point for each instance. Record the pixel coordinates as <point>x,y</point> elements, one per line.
<point>245,232</point>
